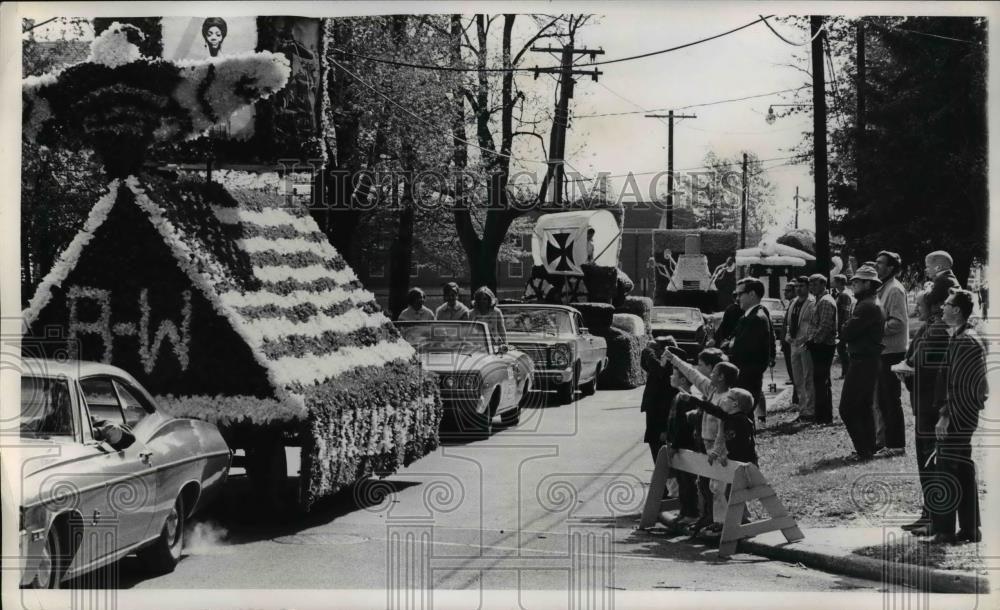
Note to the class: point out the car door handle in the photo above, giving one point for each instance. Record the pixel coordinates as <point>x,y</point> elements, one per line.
<point>144,456</point>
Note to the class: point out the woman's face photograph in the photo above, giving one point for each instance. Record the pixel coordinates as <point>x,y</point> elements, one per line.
<point>213,36</point>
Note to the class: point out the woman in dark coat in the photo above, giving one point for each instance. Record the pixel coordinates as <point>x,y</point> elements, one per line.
<point>658,394</point>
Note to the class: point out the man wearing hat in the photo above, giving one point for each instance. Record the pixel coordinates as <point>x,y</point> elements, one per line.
<point>938,269</point>
<point>863,333</point>
<point>451,309</point>
<point>799,327</point>
<point>892,298</point>
<point>845,303</point>
<point>821,344</point>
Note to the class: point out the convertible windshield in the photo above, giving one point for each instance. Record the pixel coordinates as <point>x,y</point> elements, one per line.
<point>46,408</point>
<point>674,314</point>
<point>541,320</point>
<point>445,336</point>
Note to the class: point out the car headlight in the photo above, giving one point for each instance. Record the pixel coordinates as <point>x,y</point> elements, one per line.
<point>470,382</point>
<point>448,381</point>
<point>560,356</point>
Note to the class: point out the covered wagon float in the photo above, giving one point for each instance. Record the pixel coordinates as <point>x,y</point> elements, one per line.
<point>225,300</point>
<point>575,256</point>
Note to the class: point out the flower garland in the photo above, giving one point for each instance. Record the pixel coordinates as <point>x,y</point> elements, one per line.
<point>273,328</point>
<point>71,255</point>
<point>180,340</point>
<point>270,217</point>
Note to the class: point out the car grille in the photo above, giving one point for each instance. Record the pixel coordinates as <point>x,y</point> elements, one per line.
<point>538,354</point>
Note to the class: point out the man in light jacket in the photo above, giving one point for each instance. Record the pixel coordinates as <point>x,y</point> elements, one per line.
<point>891,434</point>
<point>799,329</point>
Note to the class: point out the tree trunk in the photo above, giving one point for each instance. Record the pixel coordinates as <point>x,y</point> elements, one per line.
<point>401,252</point>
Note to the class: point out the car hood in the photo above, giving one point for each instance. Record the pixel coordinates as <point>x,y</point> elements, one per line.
<point>455,362</point>
<point>674,326</point>
<point>537,340</point>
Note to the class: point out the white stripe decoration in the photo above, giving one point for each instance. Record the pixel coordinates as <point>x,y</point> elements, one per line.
<point>321,300</point>
<point>348,322</point>
<point>312,369</point>
<point>278,273</point>
<point>270,217</point>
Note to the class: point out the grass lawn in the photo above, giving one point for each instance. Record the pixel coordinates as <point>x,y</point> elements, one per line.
<point>806,465</point>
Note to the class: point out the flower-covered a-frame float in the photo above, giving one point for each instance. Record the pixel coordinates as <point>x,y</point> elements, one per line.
<point>225,300</point>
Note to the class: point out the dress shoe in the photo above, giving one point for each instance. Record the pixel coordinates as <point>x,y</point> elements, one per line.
<point>942,538</point>
<point>974,536</point>
<point>923,531</point>
<point>918,524</point>
<point>890,452</point>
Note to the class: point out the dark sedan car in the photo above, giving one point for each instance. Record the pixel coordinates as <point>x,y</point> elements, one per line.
<point>685,324</point>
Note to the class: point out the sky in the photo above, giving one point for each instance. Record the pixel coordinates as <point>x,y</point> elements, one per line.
<point>749,62</point>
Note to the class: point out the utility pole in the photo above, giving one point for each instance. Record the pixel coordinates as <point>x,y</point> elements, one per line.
<point>860,142</point>
<point>557,138</point>
<point>743,221</point>
<point>796,207</point>
<point>819,147</point>
<point>669,216</point>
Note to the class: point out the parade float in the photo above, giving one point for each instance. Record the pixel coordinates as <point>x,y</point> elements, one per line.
<point>782,258</point>
<point>575,256</point>
<point>225,300</point>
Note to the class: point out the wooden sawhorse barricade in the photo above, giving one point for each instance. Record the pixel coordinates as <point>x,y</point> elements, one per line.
<point>747,484</point>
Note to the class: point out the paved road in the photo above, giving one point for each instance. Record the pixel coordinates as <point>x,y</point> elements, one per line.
<point>551,503</point>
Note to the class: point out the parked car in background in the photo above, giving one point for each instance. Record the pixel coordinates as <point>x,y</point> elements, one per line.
<point>685,324</point>
<point>104,474</point>
<point>567,357</point>
<point>777,308</point>
<point>479,377</point>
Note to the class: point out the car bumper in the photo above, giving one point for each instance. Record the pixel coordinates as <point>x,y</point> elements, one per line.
<point>457,400</point>
<point>547,379</point>
<point>691,347</point>
<point>30,555</point>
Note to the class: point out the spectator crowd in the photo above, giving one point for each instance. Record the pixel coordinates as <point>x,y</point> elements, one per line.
<point>863,321</point>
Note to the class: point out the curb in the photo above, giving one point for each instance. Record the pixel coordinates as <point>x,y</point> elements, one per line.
<point>931,580</point>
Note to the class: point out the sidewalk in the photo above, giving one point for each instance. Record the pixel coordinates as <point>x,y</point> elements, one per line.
<point>833,549</point>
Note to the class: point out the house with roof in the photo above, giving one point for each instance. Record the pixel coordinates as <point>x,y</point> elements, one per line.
<point>230,305</point>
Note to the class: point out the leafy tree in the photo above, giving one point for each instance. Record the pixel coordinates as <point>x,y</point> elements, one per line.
<point>923,166</point>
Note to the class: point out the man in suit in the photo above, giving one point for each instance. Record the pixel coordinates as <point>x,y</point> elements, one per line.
<point>961,395</point>
<point>752,343</point>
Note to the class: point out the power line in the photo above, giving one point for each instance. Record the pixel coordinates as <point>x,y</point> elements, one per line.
<point>929,35</point>
<point>425,121</point>
<point>683,46</point>
<point>689,169</point>
<point>714,103</point>
<point>794,44</point>
<point>408,64</point>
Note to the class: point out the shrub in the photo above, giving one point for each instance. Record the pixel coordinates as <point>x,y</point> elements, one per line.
<point>601,282</point>
<point>624,369</point>
<point>640,306</point>
<point>596,315</point>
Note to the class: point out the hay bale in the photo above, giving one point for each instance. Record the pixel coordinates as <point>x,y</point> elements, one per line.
<point>640,306</point>
<point>629,323</point>
<point>596,315</point>
<point>624,359</point>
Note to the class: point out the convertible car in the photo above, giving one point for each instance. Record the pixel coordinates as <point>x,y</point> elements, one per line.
<point>479,378</point>
<point>104,474</point>
<point>685,324</point>
<point>566,356</point>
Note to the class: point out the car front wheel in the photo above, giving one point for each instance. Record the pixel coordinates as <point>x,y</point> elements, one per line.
<point>163,555</point>
<point>589,388</point>
<point>567,391</point>
<point>52,564</point>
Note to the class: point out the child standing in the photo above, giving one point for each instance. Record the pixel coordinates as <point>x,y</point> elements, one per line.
<point>681,434</point>
<point>718,390</point>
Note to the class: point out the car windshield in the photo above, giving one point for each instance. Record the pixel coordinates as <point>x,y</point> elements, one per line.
<point>675,314</point>
<point>445,336</point>
<point>772,304</point>
<point>46,408</point>
<point>540,320</point>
